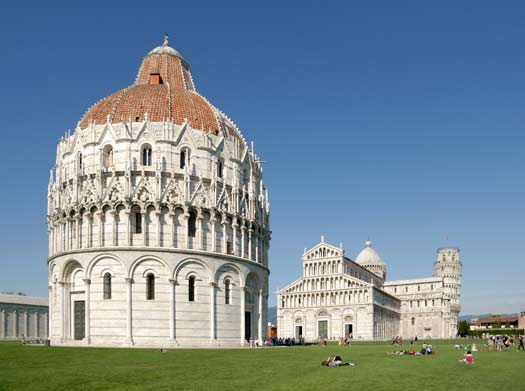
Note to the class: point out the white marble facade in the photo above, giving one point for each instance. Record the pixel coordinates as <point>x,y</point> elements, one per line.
<point>158,229</point>
<point>337,296</point>
<point>23,317</point>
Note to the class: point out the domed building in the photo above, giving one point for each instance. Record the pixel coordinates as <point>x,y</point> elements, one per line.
<point>158,220</point>
<point>338,297</point>
<point>370,259</point>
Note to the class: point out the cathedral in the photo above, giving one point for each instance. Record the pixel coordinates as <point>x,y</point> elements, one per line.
<point>158,220</point>
<point>338,297</point>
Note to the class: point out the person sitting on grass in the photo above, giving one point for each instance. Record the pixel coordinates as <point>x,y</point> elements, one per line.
<point>468,358</point>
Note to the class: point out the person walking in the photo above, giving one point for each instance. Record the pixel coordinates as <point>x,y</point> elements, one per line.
<point>521,344</point>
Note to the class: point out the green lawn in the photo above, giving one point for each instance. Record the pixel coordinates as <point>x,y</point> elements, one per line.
<point>296,368</point>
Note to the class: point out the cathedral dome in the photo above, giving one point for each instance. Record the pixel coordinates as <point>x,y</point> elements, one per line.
<point>370,259</point>
<point>369,256</point>
<point>163,92</point>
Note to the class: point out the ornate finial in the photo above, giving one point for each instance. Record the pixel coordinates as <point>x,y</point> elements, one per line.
<point>322,238</point>
<point>165,40</point>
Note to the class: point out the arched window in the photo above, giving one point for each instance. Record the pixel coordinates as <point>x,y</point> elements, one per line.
<point>219,169</point>
<point>138,222</point>
<point>146,156</point>
<point>107,286</point>
<point>191,288</point>
<point>150,286</point>
<point>413,321</point>
<point>184,157</point>
<point>227,292</point>
<point>107,156</point>
<point>192,225</point>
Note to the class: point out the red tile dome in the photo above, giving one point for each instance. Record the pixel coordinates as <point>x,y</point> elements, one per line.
<point>163,91</point>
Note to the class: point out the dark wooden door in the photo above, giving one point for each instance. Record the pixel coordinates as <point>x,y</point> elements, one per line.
<point>80,319</point>
<point>247,325</point>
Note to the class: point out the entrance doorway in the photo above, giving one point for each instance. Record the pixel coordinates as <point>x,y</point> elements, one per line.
<point>79,311</point>
<point>348,329</point>
<point>298,332</point>
<point>247,325</point>
<point>322,329</point>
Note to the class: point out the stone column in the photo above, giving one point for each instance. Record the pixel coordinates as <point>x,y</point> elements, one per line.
<point>113,214</point>
<point>127,212</point>
<point>256,240</point>
<point>172,308</point>
<point>186,240</point>
<point>50,307</point>
<point>129,302</point>
<point>89,221</point>
<point>145,232</point>
<point>250,252</point>
<point>15,323</point>
<point>45,332</point>
<point>224,235</point>
<point>2,324</point>
<point>87,312</point>
<point>26,326</point>
<point>79,231</point>
<point>35,331</point>
<point>100,228</point>
<point>234,228</point>
<point>159,228</point>
<point>62,310</point>
<point>172,215</point>
<point>243,310</point>
<point>243,233</point>
<point>213,221</point>
<point>260,318</point>
<point>66,233</point>
<point>200,233</point>
<point>212,312</point>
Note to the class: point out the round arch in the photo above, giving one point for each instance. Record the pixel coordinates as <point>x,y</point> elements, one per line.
<point>100,257</point>
<point>188,261</point>
<point>143,258</point>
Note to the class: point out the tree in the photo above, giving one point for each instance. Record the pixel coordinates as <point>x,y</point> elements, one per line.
<point>507,324</point>
<point>463,327</point>
<point>496,325</point>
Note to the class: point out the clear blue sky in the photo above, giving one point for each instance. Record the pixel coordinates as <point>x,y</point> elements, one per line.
<point>398,121</point>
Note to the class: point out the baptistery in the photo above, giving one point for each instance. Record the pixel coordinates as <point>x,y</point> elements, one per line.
<point>158,220</point>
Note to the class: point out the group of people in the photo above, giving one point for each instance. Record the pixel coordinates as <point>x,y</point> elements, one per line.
<point>397,340</point>
<point>425,349</point>
<point>273,341</point>
<point>504,342</point>
<point>345,341</point>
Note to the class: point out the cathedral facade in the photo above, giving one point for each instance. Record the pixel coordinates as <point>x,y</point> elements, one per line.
<point>158,220</point>
<point>337,297</point>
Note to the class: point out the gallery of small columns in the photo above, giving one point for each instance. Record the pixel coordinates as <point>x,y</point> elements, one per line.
<point>159,226</point>
<point>16,323</point>
<point>350,296</point>
<point>226,306</point>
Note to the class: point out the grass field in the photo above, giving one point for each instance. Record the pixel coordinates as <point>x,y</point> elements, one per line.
<point>295,368</point>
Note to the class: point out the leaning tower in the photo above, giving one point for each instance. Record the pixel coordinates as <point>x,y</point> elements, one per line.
<point>448,267</point>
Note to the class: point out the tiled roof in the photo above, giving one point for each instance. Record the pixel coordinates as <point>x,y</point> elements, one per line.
<point>27,300</point>
<point>174,99</point>
<point>494,319</point>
